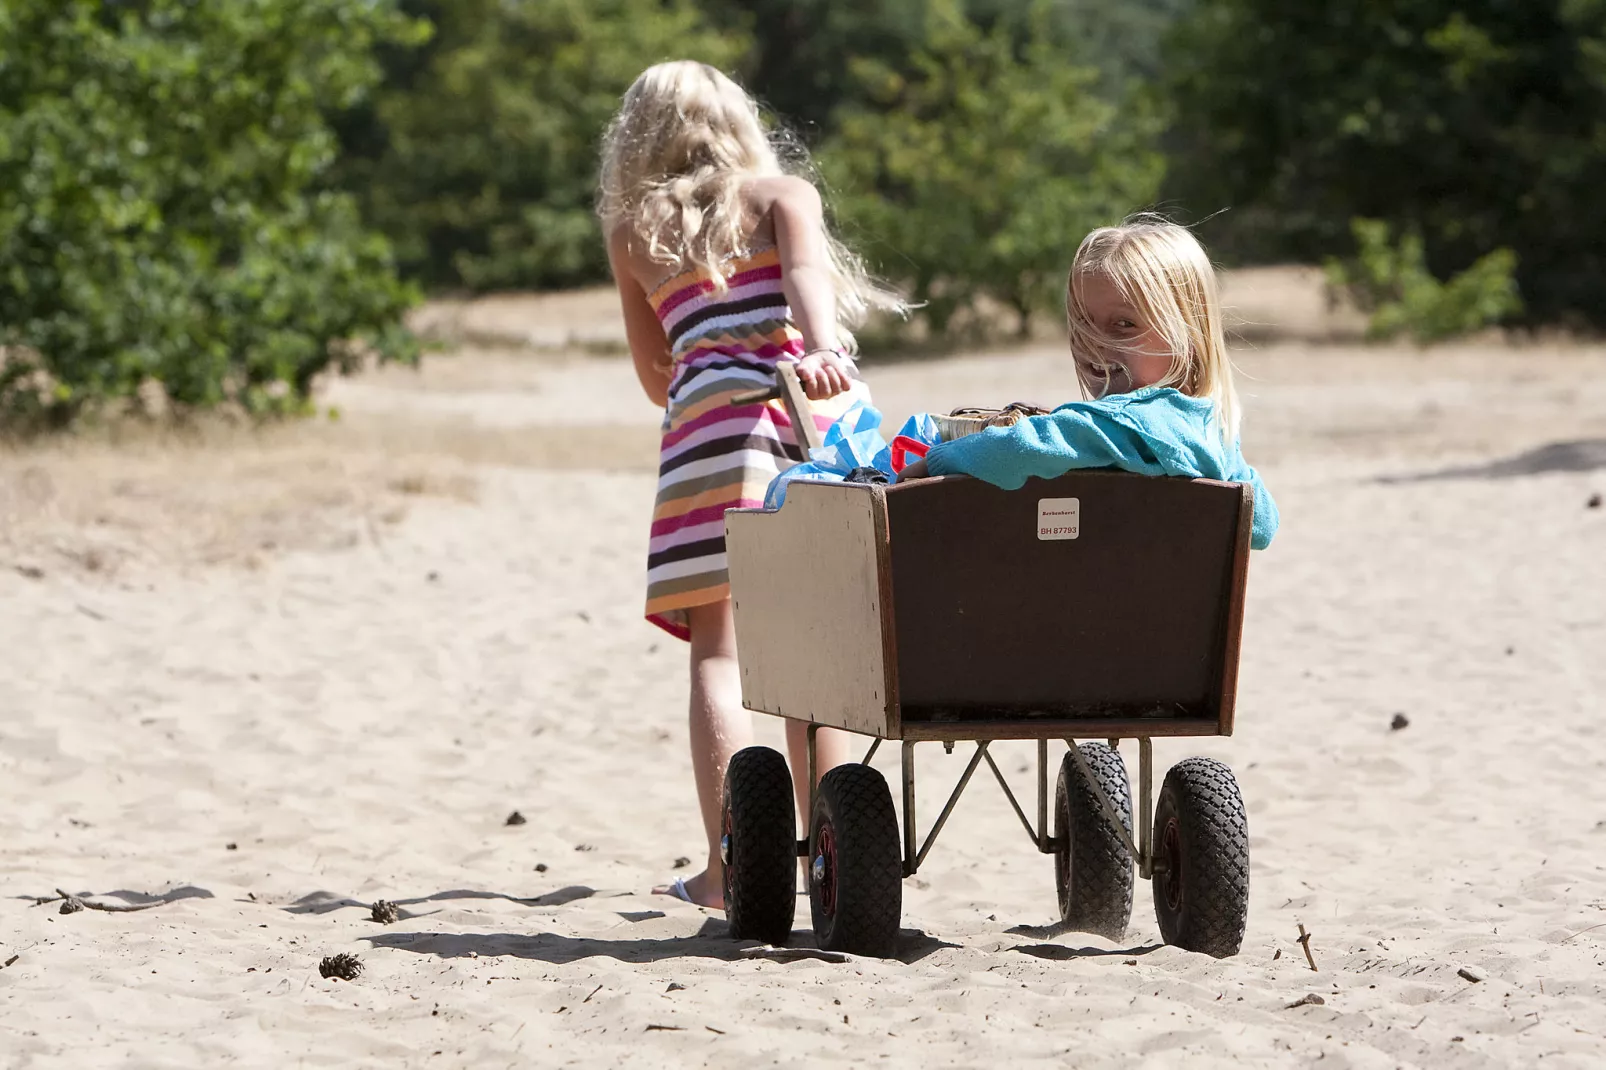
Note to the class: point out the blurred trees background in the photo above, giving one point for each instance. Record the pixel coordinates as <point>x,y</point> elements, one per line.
<point>229,197</point>
<point>1471,126</point>
<point>477,156</point>
<point>164,214</point>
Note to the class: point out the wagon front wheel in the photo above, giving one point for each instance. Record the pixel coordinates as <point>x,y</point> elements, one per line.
<point>1201,859</point>
<point>855,868</point>
<point>1092,867</point>
<point>758,824</point>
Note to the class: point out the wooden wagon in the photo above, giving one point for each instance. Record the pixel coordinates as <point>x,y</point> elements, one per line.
<point>1097,606</point>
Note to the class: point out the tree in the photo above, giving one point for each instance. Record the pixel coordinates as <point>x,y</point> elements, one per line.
<point>1479,125</point>
<point>479,159</point>
<point>980,170</point>
<point>161,214</point>
<point>1389,280</point>
<point>803,51</point>
<point>1121,40</point>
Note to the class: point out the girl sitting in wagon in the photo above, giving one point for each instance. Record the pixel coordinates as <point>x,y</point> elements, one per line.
<point>1147,339</point>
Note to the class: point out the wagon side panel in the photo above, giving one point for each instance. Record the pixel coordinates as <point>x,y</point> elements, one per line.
<point>1095,599</point>
<point>809,592</point>
<point>1233,619</point>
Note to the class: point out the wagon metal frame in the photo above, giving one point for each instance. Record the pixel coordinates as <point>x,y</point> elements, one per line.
<point>1141,850</point>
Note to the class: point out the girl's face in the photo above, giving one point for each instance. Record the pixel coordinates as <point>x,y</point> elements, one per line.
<point>1140,356</point>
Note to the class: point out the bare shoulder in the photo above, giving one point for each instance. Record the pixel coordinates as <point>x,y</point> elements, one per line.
<point>787,195</point>
<point>627,256</point>
<point>620,245</point>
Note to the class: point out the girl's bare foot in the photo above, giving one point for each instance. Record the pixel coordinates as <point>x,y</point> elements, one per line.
<point>704,890</point>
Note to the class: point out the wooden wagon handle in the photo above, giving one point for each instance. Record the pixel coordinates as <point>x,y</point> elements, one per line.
<point>788,388</point>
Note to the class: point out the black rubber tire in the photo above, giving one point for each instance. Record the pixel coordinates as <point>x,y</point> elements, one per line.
<point>1093,870</point>
<point>759,819</point>
<point>856,867</point>
<point>1201,856</point>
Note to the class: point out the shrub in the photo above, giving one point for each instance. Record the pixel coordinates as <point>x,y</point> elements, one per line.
<point>1476,124</point>
<point>479,157</point>
<point>979,168</point>
<point>162,213</point>
<point>1390,281</point>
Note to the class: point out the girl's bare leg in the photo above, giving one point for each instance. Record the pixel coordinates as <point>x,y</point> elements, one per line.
<point>831,749</point>
<point>719,728</point>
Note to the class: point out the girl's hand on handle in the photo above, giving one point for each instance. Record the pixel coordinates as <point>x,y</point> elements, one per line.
<point>825,374</point>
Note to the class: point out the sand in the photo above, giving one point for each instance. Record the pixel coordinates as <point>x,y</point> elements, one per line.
<point>265,679</point>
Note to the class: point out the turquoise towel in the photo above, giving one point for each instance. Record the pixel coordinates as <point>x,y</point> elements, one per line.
<point>1156,431</point>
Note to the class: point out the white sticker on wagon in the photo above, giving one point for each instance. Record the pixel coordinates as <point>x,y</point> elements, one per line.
<point>1058,518</point>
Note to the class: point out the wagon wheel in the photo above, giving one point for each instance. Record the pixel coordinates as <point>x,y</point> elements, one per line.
<point>758,846</point>
<point>856,875</point>
<point>1201,859</point>
<point>1092,867</point>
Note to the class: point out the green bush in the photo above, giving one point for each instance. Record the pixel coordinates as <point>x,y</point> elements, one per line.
<point>479,158</point>
<point>1476,124</point>
<point>802,52</point>
<point>1390,281</point>
<point>974,173</point>
<point>161,215</point>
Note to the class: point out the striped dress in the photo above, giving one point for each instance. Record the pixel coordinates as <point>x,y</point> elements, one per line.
<point>716,456</point>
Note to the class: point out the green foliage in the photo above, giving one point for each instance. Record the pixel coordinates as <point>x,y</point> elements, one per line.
<point>479,158</point>
<point>160,211</point>
<point>803,53</point>
<point>1391,282</point>
<point>800,63</point>
<point>1478,124</point>
<point>976,170</point>
<point>1121,40</point>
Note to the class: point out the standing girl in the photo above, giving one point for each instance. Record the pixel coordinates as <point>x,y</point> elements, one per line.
<point>725,267</point>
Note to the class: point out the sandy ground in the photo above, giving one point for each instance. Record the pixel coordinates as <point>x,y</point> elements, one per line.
<point>264,679</point>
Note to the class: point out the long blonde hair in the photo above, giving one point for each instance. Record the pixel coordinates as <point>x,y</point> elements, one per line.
<point>1163,271</point>
<point>674,162</point>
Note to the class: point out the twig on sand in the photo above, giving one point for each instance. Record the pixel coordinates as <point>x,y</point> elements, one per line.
<point>1585,929</point>
<point>1304,942</point>
<point>72,904</point>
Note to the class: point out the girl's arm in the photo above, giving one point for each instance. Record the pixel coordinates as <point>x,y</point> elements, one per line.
<point>799,221</point>
<point>649,348</point>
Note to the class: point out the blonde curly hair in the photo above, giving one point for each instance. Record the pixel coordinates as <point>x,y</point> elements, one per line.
<point>674,162</point>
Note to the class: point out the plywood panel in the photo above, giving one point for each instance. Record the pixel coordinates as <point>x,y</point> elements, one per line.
<point>1124,608</point>
<point>810,596</point>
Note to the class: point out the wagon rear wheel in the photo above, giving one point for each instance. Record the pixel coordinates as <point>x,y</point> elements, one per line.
<point>758,846</point>
<point>1092,867</point>
<point>1201,859</point>
<point>856,872</point>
